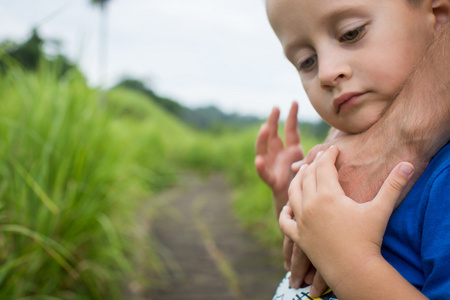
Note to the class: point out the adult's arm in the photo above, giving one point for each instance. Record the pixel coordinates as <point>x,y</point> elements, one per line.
<point>414,127</point>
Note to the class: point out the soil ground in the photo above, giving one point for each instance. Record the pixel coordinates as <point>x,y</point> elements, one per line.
<point>207,253</point>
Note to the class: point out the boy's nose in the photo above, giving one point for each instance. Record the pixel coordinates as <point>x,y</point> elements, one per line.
<point>333,71</point>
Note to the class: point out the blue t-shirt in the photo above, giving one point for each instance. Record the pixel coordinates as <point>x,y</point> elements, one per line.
<point>417,238</point>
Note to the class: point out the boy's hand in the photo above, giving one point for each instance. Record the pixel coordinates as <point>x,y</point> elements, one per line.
<point>273,159</point>
<point>335,232</point>
<point>302,271</point>
<point>273,164</point>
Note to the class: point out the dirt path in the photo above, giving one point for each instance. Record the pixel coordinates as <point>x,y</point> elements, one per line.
<point>208,255</point>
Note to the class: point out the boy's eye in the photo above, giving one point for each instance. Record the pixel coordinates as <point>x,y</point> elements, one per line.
<point>308,63</point>
<point>351,35</point>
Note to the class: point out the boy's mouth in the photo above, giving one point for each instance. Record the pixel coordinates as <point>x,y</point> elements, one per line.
<point>344,100</point>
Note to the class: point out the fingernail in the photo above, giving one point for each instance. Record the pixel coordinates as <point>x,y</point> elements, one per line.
<point>295,284</point>
<point>313,292</point>
<point>406,170</point>
<point>296,164</point>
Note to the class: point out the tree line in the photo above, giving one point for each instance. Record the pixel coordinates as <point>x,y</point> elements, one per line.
<point>30,55</point>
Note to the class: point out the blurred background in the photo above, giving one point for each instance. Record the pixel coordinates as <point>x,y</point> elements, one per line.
<point>199,52</point>
<point>127,134</point>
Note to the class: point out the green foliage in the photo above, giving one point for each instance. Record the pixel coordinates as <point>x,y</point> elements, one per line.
<point>30,52</point>
<point>228,150</point>
<point>30,55</point>
<point>159,139</point>
<point>319,130</point>
<point>73,174</point>
<point>205,118</point>
<point>71,177</point>
<point>137,85</point>
<point>252,198</point>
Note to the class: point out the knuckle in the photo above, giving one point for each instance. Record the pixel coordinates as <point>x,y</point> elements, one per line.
<point>312,153</point>
<point>293,187</point>
<point>325,194</point>
<point>395,184</point>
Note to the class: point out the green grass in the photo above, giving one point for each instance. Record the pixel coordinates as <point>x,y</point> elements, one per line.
<point>74,173</point>
<point>252,198</point>
<point>71,176</point>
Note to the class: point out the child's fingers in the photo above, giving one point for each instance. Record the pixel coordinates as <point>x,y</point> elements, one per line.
<point>295,190</point>
<point>260,166</point>
<point>261,143</point>
<point>275,144</point>
<point>299,267</point>
<point>291,128</point>
<point>326,172</point>
<point>261,149</point>
<point>287,224</point>
<point>392,187</point>
<point>319,286</point>
<point>295,167</point>
<point>272,122</point>
<point>309,183</point>
<point>288,247</point>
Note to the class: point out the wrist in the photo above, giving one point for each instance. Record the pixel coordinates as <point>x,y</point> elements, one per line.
<point>344,265</point>
<point>375,278</point>
<point>279,201</point>
<point>352,270</point>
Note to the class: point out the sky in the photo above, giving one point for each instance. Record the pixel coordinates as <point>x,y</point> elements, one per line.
<point>197,52</point>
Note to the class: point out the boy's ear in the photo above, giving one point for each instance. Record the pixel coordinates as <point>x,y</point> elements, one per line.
<point>441,11</point>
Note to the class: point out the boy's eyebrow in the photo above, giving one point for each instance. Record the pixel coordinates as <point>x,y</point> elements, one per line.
<point>337,12</point>
<point>340,12</point>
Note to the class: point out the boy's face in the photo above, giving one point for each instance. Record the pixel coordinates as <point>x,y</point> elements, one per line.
<point>352,55</point>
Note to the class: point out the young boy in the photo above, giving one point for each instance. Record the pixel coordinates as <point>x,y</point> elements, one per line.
<point>353,56</point>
